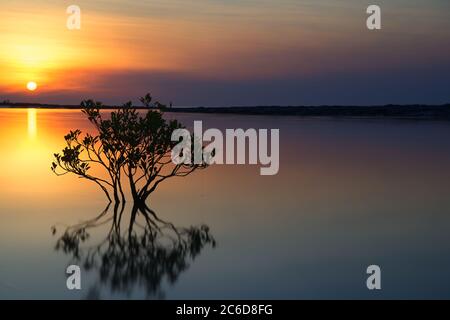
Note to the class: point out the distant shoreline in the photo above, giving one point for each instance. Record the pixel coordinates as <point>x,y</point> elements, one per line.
<point>432,112</point>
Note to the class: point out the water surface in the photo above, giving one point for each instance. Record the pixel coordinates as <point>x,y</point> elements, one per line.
<point>350,193</point>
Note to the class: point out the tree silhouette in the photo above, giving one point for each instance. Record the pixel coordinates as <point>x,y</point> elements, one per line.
<point>128,148</point>
<point>127,145</point>
<point>147,102</point>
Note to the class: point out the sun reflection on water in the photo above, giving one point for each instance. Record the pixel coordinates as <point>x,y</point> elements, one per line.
<point>31,137</point>
<point>32,123</point>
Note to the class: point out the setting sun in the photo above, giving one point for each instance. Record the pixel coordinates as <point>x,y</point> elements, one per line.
<point>31,86</point>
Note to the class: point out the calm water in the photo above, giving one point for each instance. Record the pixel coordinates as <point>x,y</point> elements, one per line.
<point>350,193</point>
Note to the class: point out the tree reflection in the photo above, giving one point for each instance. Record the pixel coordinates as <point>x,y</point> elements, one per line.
<point>147,253</point>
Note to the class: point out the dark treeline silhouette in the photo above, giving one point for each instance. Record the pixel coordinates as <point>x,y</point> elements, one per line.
<point>405,111</point>
<point>417,112</point>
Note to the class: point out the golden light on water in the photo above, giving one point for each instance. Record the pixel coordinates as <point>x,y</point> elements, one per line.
<point>32,123</point>
<point>31,137</point>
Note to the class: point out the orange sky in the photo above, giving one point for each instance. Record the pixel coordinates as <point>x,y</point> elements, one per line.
<point>125,48</point>
<point>36,45</point>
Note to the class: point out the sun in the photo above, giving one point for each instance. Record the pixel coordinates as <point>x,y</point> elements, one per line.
<point>31,85</point>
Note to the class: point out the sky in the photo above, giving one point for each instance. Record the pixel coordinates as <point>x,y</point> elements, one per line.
<point>226,52</point>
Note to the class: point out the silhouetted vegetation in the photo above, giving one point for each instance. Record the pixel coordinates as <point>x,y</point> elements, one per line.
<point>147,102</point>
<point>129,148</point>
<point>416,112</point>
<point>128,145</point>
